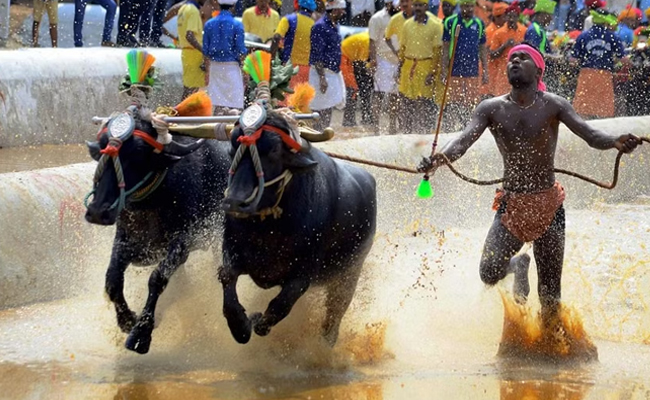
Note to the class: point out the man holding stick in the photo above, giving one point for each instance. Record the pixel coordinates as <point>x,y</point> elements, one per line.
<point>529,208</point>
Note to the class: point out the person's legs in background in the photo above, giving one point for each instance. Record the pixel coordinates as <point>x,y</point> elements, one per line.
<point>130,11</point>
<point>157,23</point>
<point>38,16</point>
<point>350,110</point>
<point>325,119</point>
<point>145,21</point>
<point>365,83</point>
<point>79,12</point>
<point>52,8</point>
<point>110,7</point>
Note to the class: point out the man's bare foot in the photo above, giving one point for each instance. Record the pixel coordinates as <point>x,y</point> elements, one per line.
<point>521,287</point>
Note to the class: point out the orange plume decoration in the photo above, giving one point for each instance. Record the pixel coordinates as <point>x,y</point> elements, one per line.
<point>196,105</point>
<point>302,96</point>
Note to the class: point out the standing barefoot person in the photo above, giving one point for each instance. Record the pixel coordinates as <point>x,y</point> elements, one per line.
<point>525,124</point>
<point>190,39</point>
<point>224,51</point>
<point>52,9</point>
<point>325,60</point>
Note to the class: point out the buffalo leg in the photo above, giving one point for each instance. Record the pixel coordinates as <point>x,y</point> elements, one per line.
<point>339,297</point>
<point>139,339</point>
<point>239,324</point>
<point>280,306</point>
<point>115,289</point>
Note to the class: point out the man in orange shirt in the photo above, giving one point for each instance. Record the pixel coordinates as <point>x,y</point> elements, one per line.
<point>509,35</point>
<point>498,20</point>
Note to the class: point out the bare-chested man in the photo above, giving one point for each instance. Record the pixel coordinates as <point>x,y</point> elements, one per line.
<point>529,208</point>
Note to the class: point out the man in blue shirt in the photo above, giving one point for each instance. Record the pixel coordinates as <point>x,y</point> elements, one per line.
<point>224,50</point>
<point>596,50</point>
<point>536,33</point>
<point>325,60</point>
<point>464,87</point>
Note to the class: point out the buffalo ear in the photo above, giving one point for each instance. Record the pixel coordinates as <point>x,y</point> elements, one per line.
<point>301,161</point>
<point>94,150</point>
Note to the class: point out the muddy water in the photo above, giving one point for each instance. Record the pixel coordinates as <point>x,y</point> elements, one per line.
<point>421,326</point>
<point>15,159</point>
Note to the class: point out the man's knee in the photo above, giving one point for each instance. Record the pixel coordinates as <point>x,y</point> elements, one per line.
<point>493,270</point>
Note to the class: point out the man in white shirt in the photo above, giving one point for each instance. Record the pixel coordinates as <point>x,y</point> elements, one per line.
<point>361,11</point>
<point>385,64</point>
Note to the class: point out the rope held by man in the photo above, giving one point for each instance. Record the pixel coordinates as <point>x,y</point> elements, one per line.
<point>479,182</point>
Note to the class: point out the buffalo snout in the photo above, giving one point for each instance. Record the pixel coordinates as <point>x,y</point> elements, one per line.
<point>101,215</point>
<point>233,205</point>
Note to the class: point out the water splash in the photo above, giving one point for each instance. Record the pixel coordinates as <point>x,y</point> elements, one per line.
<point>525,336</point>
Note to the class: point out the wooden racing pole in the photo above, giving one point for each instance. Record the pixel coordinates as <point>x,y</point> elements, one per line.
<point>424,189</point>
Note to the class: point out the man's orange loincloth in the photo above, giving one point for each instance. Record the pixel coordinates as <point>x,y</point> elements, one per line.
<point>528,215</point>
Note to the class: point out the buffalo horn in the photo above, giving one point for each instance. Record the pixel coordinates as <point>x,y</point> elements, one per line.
<point>176,149</point>
<point>315,136</point>
<point>94,146</point>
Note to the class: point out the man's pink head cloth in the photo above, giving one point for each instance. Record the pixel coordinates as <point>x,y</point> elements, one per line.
<point>537,57</point>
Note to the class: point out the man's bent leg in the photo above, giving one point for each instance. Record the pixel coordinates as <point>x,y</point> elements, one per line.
<point>500,247</point>
<point>549,255</point>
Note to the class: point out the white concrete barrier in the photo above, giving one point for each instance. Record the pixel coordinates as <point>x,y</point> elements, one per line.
<point>46,246</point>
<point>51,94</point>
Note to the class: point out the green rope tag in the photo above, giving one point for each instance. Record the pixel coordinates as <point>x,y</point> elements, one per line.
<point>425,191</point>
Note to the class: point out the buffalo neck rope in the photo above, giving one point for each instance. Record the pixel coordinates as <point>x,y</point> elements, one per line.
<point>252,122</point>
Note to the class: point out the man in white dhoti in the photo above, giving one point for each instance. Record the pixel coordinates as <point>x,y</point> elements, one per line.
<point>385,64</point>
<point>224,50</point>
<point>325,61</point>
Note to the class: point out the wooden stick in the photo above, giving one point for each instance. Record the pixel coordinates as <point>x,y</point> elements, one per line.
<point>444,94</point>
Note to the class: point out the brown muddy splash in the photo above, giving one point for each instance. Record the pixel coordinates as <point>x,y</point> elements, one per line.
<point>562,340</point>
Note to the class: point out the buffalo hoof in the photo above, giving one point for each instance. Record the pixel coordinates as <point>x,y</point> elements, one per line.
<point>521,287</point>
<point>261,327</point>
<point>241,329</point>
<point>331,337</point>
<point>126,321</point>
<point>139,339</point>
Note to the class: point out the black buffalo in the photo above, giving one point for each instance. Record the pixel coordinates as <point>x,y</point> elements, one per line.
<point>318,230</point>
<point>182,214</point>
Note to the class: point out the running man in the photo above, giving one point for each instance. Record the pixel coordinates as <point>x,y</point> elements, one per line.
<point>525,124</point>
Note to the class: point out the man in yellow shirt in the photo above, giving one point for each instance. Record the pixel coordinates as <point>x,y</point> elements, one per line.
<point>190,38</point>
<point>420,54</point>
<point>355,49</point>
<point>261,20</point>
<point>394,28</point>
<point>295,31</point>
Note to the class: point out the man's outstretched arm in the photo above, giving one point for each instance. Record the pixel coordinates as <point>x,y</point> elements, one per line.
<point>594,137</point>
<point>457,147</point>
